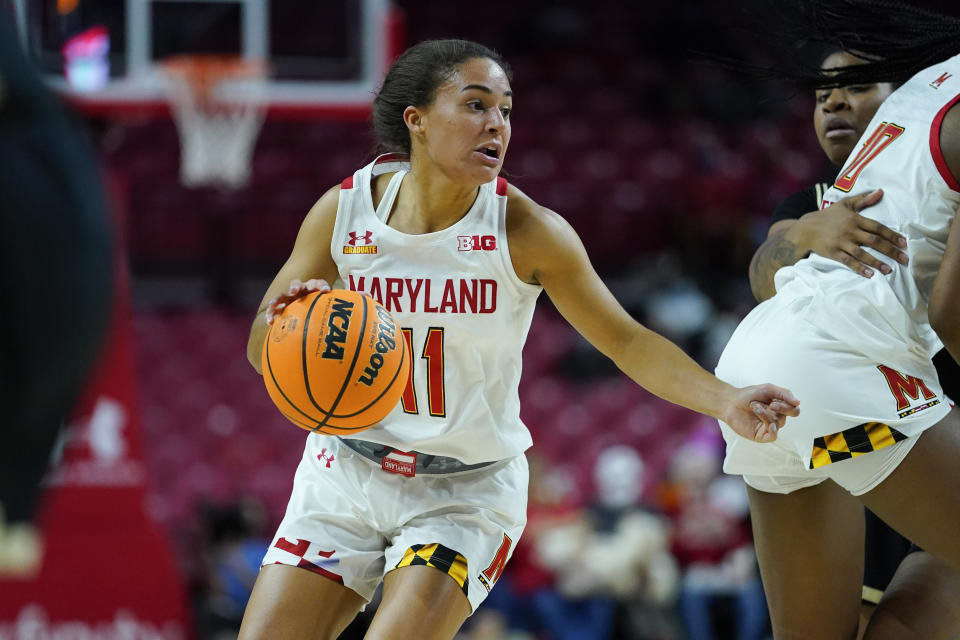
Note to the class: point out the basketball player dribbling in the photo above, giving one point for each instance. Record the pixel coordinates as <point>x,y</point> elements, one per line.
<point>432,500</point>
<point>903,586</point>
<point>859,349</point>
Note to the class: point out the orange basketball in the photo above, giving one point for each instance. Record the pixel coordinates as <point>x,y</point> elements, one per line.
<point>335,362</point>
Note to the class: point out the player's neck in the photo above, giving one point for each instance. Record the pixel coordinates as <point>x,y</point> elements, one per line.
<point>428,201</point>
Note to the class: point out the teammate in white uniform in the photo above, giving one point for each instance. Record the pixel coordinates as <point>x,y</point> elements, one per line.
<point>460,257</point>
<point>903,586</point>
<point>858,350</point>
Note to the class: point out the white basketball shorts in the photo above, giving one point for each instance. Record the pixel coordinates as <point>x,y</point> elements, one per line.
<point>858,418</point>
<point>351,521</point>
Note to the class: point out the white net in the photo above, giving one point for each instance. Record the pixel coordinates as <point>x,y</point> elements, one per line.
<point>218,104</point>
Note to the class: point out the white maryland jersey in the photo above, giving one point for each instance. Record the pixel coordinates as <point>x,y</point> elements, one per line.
<point>899,153</point>
<point>463,311</point>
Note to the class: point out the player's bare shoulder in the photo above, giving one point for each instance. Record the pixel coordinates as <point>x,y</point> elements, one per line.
<point>317,226</point>
<point>536,234</point>
<point>525,214</point>
<point>326,205</point>
<point>310,256</point>
<point>950,140</point>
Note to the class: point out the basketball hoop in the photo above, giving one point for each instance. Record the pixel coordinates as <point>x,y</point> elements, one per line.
<point>218,104</point>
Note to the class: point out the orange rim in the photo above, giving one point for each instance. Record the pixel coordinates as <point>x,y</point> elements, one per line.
<point>203,72</point>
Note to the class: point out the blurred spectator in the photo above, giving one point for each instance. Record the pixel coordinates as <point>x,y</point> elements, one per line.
<point>720,593</point>
<point>614,575</point>
<point>235,545</point>
<point>630,549</point>
<point>514,608</point>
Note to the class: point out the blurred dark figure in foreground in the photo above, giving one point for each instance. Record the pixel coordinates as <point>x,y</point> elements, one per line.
<point>56,277</point>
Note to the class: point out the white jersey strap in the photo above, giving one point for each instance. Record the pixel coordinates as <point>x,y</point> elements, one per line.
<point>389,196</point>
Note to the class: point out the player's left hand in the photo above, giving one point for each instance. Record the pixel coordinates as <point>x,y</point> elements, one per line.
<point>757,413</point>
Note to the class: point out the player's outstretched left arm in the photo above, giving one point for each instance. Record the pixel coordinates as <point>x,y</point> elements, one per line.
<point>546,250</point>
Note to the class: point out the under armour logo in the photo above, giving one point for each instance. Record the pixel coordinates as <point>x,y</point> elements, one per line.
<point>323,457</point>
<point>356,238</point>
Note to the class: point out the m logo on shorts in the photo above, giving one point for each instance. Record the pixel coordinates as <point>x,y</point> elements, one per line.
<point>904,386</point>
<point>492,573</point>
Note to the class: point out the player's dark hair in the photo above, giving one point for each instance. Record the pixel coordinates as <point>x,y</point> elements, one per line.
<point>829,51</point>
<point>895,38</point>
<point>413,80</point>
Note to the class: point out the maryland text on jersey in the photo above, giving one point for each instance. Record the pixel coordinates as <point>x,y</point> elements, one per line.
<point>429,295</point>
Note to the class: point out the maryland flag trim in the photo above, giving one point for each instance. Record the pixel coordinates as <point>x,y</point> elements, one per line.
<point>439,557</point>
<point>853,442</point>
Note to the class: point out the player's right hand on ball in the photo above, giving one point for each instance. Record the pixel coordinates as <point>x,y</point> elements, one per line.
<point>297,289</point>
<point>757,413</point>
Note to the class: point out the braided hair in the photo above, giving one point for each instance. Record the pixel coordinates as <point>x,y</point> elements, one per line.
<point>896,40</point>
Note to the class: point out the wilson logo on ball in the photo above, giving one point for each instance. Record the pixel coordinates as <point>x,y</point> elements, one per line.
<point>386,342</point>
<point>338,325</point>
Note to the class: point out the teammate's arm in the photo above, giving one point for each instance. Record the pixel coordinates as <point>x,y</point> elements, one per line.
<point>546,250</point>
<point>309,268</point>
<point>944,307</point>
<point>838,232</point>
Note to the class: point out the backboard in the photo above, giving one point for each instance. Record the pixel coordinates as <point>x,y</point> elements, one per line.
<point>324,58</point>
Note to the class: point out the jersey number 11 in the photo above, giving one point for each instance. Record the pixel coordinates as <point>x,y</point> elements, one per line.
<point>433,354</point>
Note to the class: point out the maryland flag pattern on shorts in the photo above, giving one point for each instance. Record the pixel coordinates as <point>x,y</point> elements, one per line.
<point>439,557</point>
<point>853,442</point>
